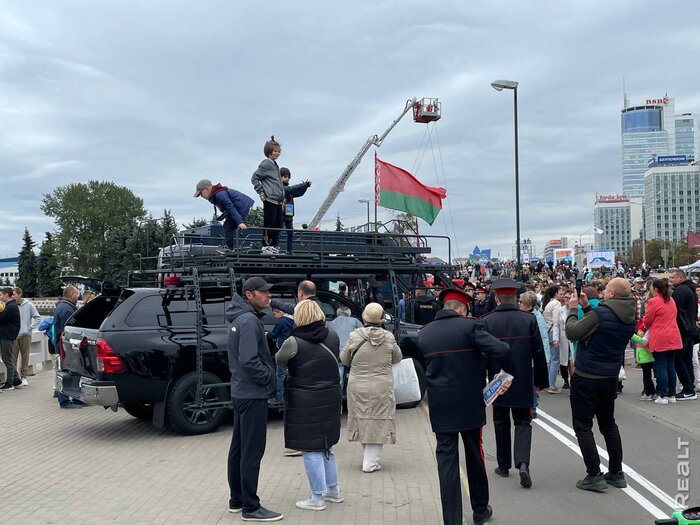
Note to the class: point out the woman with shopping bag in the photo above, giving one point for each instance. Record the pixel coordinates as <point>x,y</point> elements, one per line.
<point>369,353</point>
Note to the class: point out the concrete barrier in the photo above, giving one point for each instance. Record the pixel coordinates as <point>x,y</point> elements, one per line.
<point>39,357</point>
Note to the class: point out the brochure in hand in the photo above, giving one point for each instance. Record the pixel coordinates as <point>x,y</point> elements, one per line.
<point>497,386</point>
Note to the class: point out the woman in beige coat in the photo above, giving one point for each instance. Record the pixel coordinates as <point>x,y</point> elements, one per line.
<point>370,352</point>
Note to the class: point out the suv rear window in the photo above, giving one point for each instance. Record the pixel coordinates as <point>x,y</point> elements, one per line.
<point>178,309</point>
<point>96,311</point>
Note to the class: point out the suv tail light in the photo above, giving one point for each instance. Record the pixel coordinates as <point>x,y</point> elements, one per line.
<point>107,360</point>
<point>61,351</point>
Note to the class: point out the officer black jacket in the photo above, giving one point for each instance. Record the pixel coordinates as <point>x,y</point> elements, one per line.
<point>424,309</point>
<point>456,350</point>
<point>520,331</point>
<point>480,308</point>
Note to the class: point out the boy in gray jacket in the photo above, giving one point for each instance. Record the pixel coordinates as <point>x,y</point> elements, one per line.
<point>268,184</point>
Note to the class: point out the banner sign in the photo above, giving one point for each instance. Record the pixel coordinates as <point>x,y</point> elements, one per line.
<point>564,255</point>
<point>599,258</point>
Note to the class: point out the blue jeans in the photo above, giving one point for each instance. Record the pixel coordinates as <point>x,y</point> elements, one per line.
<point>665,372</point>
<point>321,470</point>
<point>553,362</point>
<point>341,371</point>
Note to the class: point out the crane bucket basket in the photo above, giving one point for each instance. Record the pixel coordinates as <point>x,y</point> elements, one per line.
<point>427,110</point>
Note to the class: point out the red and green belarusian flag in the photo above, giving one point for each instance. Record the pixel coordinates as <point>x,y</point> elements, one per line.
<point>397,189</point>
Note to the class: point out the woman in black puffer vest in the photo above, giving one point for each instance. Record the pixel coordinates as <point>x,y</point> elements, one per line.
<point>312,401</point>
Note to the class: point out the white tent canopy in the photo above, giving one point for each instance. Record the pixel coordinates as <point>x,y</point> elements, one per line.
<point>695,267</point>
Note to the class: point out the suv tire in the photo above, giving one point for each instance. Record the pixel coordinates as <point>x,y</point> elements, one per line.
<point>420,372</point>
<point>143,411</point>
<point>189,421</point>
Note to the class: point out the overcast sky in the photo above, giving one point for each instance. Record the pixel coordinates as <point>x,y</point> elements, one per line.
<point>156,94</point>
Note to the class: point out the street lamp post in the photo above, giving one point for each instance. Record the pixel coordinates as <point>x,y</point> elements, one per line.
<point>500,85</point>
<point>366,201</point>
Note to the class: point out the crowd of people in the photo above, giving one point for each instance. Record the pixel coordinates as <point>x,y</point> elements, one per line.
<point>19,318</point>
<point>535,331</point>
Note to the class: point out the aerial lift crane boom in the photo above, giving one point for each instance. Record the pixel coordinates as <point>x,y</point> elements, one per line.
<point>426,110</point>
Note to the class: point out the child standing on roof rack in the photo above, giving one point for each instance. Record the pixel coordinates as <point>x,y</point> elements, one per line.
<point>268,185</point>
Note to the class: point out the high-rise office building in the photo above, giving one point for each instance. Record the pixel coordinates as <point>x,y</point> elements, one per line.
<point>620,219</point>
<point>685,135</point>
<point>646,130</point>
<point>671,198</point>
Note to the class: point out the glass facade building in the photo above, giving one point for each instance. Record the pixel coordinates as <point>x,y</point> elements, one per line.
<point>672,202</point>
<point>685,135</point>
<point>644,134</point>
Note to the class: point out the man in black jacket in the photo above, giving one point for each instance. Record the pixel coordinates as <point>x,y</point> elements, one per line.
<point>424,307</point>
<point>603,335</point>
<point>252,384</point>
<point>687,306</point>
<point>520,331</point>
<point>456,349</point>
<point>10,324</point>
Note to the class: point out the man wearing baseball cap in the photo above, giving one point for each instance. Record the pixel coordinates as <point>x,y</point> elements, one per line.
<point>233,205</point>
<point>252,384</point>
<point>456,350</point>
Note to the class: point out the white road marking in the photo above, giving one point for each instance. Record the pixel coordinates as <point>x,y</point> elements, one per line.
<point>629,471</point>
<point>632,493</point>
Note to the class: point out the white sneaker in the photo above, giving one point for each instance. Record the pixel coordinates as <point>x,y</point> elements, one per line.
<point>671,399</point>
<point>25,382</point>
<point>336,497</point>
<point>661,401</point>
<point>309,504</point>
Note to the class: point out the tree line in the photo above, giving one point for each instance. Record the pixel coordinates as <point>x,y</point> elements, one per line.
<point>102,231</point>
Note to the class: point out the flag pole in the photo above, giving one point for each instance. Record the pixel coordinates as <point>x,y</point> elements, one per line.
<point>376,189</point>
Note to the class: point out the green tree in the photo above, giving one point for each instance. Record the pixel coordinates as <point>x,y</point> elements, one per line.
<point>26,264</point>
<point>403,226</point>
<point>255,217</point>
<point>338,224</point>
<point>84,214</point>
<point>48,273</point>
<point>195,223</point>
<point>130,248</point>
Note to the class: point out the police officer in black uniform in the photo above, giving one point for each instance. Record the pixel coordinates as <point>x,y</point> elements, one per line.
<point>424,307</point>
<point>480,306</point>
<point>520,331</point>
<point>456,350</point>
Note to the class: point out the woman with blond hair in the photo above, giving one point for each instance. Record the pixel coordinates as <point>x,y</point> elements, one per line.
<point>312,401</point>
<point>370,352</point>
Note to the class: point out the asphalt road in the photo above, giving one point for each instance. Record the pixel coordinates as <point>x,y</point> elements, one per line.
<point>658,442</point>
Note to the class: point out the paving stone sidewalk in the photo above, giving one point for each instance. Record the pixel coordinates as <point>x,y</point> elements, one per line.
<point>92,466</point>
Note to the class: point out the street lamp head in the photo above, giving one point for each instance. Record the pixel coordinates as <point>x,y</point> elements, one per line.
<point>363,201</point>
<point>500,85</point>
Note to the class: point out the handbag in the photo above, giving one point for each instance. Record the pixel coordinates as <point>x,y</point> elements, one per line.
<point>406,386</point>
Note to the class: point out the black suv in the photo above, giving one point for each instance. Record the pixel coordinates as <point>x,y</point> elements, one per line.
<point>136,348</point>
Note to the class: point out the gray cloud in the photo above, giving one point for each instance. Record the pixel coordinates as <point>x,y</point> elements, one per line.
<point>155,95</point>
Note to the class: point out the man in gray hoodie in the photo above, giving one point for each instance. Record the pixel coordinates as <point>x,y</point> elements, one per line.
<point>252,383</point>
<point>29,320</point>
